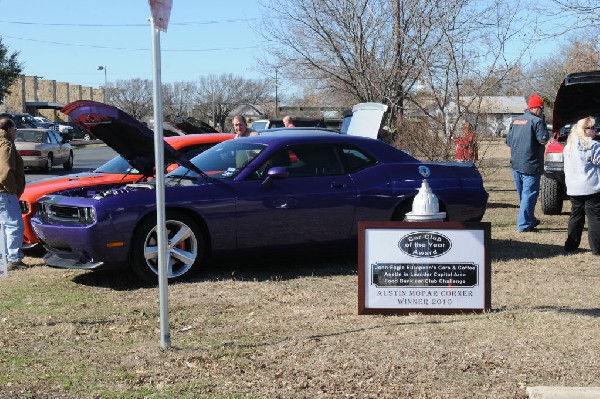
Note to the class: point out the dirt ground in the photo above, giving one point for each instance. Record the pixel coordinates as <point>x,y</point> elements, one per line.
<point>289,328</point>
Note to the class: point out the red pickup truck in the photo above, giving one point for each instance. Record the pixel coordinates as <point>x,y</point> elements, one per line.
<point>577,97</point>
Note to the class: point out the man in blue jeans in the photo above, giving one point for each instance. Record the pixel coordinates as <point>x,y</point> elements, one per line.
<point>12,184</point>
<point>527,139</point>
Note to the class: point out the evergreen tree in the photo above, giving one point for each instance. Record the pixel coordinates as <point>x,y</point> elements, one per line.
<point>10,69</point>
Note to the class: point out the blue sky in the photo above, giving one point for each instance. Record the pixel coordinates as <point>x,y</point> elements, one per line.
<point>67,40</point>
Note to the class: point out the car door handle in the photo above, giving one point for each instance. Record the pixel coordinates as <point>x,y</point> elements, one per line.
<point>338,185</point>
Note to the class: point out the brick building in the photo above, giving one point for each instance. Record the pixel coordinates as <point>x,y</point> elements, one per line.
<point>40,97</point>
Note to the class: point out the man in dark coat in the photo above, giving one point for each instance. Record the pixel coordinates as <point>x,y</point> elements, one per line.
<point>527,139</point>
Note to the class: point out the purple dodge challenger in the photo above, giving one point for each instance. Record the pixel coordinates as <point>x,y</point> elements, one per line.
<point>288,190</point>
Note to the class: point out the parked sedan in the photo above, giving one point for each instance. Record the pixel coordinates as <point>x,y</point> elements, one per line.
<point>41,148</point>
<point>116,171</point>
<point>269,192</point>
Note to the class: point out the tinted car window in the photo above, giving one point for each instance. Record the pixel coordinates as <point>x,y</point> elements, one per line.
<point>192,151</point>
<point>30,136</point>
<point>54,138</point>
<point>356,160</point>
<point>315,160</point>
<point>224,161</point>
<point>116,165</point>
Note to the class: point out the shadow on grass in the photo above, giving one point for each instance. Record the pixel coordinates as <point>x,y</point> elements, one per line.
<point>594,312</point>
<point>505,250</point>
<point>263,268</point>
<point>497,205</point>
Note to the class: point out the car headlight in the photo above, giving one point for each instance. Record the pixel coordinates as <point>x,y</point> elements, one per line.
<point>87,215</point>
<point>554,157</point>
<point>24,207</point>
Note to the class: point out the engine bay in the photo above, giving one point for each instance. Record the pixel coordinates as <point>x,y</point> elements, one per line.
<point>98,192</point>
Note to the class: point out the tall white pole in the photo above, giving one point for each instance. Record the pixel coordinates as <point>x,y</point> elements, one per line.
<point>213,107</point>
<point>161,231</point>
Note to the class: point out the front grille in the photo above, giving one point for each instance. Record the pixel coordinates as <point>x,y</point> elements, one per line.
<point>553,167</point>
<point>63,212</point>
<point>66,214</point>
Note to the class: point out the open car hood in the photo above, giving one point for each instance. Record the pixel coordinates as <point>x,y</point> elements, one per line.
<point>578,96</point>
<point>365,120</point>
<point>124,134</point>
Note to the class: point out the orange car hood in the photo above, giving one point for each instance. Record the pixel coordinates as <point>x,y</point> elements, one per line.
<point>35,190</point>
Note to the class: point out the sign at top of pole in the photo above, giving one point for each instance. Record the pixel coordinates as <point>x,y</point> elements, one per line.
<point>161,11</point>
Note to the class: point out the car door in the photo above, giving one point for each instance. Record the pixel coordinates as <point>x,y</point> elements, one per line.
<point>58,148</point>
<point>315,204</point>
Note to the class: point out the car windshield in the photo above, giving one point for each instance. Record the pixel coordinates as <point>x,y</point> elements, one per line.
<point>259,125</point>
<point>30,137</point>
<point>117,165</point>
<point>223,161</point>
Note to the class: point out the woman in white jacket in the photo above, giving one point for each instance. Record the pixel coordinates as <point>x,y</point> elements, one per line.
<point>582,177</point>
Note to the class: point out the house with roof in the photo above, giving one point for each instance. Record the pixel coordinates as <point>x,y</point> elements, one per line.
<point>492,114</point>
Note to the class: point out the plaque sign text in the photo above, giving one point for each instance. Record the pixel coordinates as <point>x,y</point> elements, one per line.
<point>437,267</point>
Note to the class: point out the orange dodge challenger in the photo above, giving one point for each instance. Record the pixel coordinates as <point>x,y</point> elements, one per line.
<point>117,170</point>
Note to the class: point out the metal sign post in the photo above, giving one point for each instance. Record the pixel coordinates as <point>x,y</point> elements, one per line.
<point>161,10</point>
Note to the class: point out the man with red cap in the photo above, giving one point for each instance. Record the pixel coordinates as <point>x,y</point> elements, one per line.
<point>527,139</point>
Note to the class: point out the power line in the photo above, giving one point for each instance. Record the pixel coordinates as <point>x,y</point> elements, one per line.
<point>130,49</point>
<point>129,25</point>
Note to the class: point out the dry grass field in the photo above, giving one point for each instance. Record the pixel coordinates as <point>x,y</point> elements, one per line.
<point>290,328</point>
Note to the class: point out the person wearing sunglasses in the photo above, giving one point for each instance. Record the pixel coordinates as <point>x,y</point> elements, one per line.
<point>527,138</point>
<point>582,176</point>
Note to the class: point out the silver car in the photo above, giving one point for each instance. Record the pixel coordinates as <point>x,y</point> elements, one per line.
<point>43,148</point>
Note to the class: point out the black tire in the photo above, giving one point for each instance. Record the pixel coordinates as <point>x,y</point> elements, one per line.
<point>49,162</point>
<point>552,196</point>
<point>69,164</point>
<point>37,251</point>
<point>184,257</point>
<point>401,211</point>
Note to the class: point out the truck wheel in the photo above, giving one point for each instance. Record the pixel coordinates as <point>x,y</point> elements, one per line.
<point>552,198</point>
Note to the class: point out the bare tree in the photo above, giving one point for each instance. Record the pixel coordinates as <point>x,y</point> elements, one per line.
<point>178,98</point>
<point>217,96</point>
<point>412,55</point>
<point>577,54</point>
<point>566,16</point>
<point>133,96</point>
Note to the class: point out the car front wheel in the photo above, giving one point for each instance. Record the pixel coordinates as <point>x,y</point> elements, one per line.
<point>185,248</point>
<point>48,166</point>
<point>69,164</point>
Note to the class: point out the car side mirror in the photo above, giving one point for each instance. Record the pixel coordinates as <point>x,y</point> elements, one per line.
<point>276,172</point>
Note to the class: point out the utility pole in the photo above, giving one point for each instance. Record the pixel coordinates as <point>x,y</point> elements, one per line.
<point>213,107</point>
<point>276,99</point>
<point>181,100</point>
